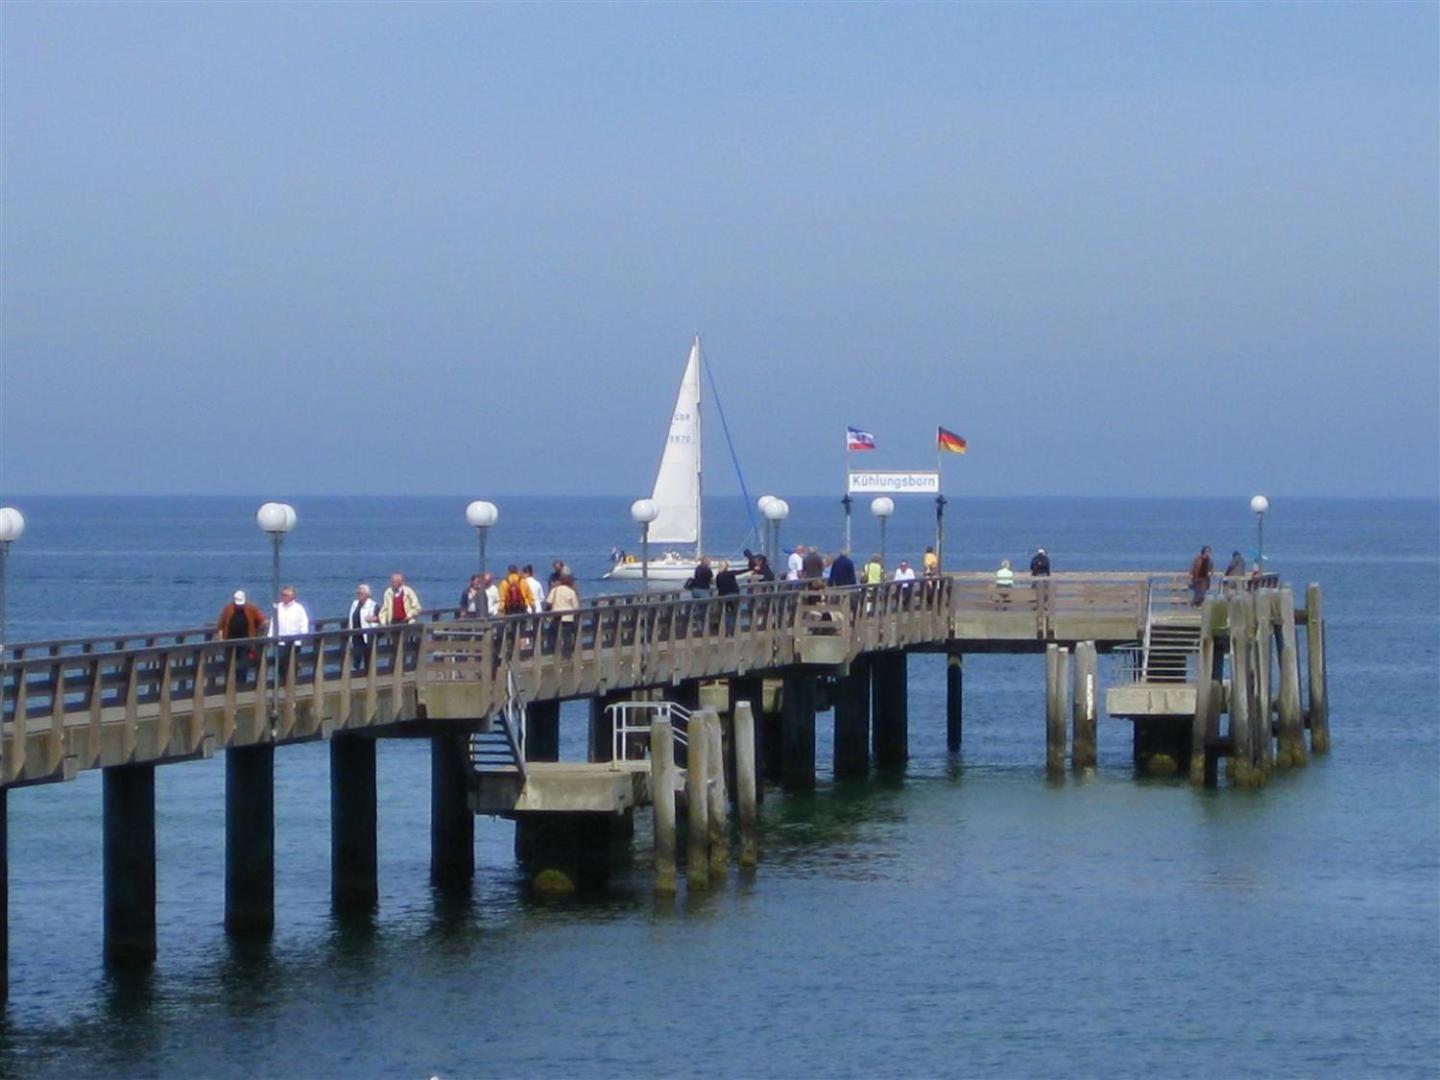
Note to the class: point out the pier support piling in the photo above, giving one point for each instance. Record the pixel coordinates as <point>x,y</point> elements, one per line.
<point>797,711</point>
<point>954,699</point>
<point>1241,766</point>
<point>1056,667</point>
<point>697,807</point>
<point>662,792</point>
<point>1291,752</point>
<point>1261,714</point>
<point>250,839</point>
<point>746,783</point>
<point>1200,733</point>
<point>1084,708</point>
<point>452,824</point>
<point>751,692</point>
<point>852,721</point>
<point>129,844</point>
<point>542,731</point>
<point>1319,712</point>
<point>719,801</point>
<point>890,722</point>
<point>354,824</point>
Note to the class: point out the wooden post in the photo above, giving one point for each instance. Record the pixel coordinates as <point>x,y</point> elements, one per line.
<point>719,800</point>
<point>1084,708</point>
<point>852,721</point>
<point>250,839</point>
<point>751,692</point>
<point>452,822</point>
<point>697,800</point>
<point>745,781</point>
<point>354,828</point>
<point>1055,668</point>
<point>1315,664</point>
<point>129,858</point>
<point>1292,730</point>
<point>1204,686</point>
<point>797,710</point>
<point>954,699</point>
<point>890,722</point>
<point>1260,715</point>
<point>1241,771</point>
<point>662,794</point>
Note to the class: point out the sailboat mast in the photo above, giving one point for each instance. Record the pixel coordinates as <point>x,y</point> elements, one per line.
<point>699,451</point>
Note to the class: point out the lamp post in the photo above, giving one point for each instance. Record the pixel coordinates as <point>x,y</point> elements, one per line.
<point>481,515</point>
<point>277,519</point>
<point>763,503</point>
<point>643,512</point>
<point>882,508</point>
<point>1259,504</point>
<point>12,524</point>
<point>775,511</point>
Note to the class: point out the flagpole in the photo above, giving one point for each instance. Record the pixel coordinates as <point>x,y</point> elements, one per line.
<point>939,504</point>
<point>845,499</point>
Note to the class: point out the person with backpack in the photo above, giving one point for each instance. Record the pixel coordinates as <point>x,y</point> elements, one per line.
<point>515,595</point>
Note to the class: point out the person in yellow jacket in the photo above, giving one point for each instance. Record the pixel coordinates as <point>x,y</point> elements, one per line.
<point>400,604</point>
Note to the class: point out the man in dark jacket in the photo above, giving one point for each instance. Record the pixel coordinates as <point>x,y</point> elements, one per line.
<point>1040,564</point>
<point>842,570</point>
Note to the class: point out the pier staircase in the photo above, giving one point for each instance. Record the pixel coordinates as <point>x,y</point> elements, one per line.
<point>497,757</point>
<point>1169,648</point>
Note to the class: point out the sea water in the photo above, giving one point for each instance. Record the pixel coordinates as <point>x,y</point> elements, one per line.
<point>966,918</point>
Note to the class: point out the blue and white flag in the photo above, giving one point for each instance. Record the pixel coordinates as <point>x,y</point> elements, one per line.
<point>855,439</point>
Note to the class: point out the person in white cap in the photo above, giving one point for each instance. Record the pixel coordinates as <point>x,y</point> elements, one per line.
<point>241,619</point>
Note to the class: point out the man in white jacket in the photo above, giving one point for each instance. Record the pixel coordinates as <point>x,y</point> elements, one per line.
<point>291,621</point>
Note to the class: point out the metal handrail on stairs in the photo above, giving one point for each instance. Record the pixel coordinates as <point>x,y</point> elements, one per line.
<point>623,723</point>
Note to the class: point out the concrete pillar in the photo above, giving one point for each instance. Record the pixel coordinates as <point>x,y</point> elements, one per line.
<point>852,721</point>
<point>354,831</point>
<point>452,823</point>
<point>954,699</point>
<point>662,790</point>
<point>1264,739</point>
<point>697,805</point>
<point>890,724</point>
<point>129,828</point>
<point>752,692</point>
<point>250,839</point>
<point>1200,732</point>
<point>797,713</point>
<point>1319,713</point>
<point>1085,708</point>
<point>1291,751</point>
<point>718,810</point>
<point>542,731</point>
<point>1241,768</point>
<point>746,782</point>
<point>1056,668</point>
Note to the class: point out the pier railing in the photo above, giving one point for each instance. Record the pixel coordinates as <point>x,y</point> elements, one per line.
<point>85,703</point>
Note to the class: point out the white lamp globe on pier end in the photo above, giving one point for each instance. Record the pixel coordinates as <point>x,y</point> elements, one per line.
<point>643,512</point>
<point>12,525</point>
<point>775,510</point>
<point>482,515</point>
<point>1259,504</point>
<point>882,508</point>
<point>276,518</point>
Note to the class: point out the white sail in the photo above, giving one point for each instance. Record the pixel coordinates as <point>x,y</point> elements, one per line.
<point>677,484</point>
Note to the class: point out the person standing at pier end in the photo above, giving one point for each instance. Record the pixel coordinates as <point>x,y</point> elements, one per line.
<point>1235,570</point>
<point>241,619</point>
<point>930,563</point>
<point>472,600</point>
<point>1004,580</point>
<point>537,591</point>
<point>795,564</point>
<point>563,598</point>
<point>699,583</point>
<point>842,570</point>
<point>1040,572</point>
<point>874,570</point>
<point>362,616</point>
<point>401,603</point>
<point>1200,571</point>
<point>291,621</point>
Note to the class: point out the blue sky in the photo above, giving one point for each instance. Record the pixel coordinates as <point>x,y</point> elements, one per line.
<point>1122,249</point>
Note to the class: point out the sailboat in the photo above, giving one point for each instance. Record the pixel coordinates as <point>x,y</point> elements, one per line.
<point>677,489</point>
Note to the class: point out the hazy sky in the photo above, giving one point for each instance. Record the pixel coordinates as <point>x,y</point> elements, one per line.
<point>462,249</point>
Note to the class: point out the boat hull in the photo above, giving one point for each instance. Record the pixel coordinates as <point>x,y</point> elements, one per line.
<point>665,569</point>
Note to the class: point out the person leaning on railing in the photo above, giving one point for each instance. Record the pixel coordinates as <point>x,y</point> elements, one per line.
<point>1004,581</point>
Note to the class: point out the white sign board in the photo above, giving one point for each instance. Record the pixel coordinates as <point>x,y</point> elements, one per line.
<point>894,483</point>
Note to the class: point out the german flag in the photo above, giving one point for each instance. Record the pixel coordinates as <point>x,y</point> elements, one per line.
<point>948,440</point>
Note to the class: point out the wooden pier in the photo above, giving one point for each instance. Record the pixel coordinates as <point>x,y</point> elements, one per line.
<point>731,688</point>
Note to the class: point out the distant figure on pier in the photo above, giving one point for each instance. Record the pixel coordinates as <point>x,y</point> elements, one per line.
<point>558,569</point>
<point>492,593</point>
<point>874,570</point>
<point>761,569</point>
<point>931,563</point>
<point>812,565</point>
<point>1236,570</point>
<point>1040,564</point>
<point>515,598</point>
<point>904,572</point>
<point>472,599</point>
<point>727,583</point>
<point>401,603</point>
<point>701,580</point>
<point>241,619</point>
<point>842,570</point>
<point>1200,571</point>
<point>1004,581</point>
<point>291,621</point>
<point>537,591</point>
<point>565,599</point>
<point>363,616</point>
<point>795,564</point>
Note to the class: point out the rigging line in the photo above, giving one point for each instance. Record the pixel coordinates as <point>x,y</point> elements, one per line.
<point>730,445</point>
